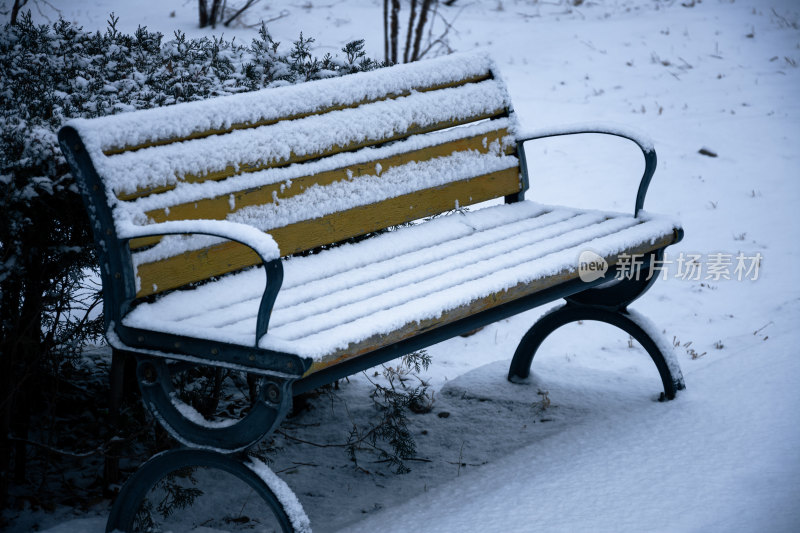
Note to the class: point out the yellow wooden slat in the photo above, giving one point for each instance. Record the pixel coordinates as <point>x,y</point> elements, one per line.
<point>220,207</point>
<point>253,166</point>
<point>229,256</point>
<point>266,122</point>
<point>476,306</point>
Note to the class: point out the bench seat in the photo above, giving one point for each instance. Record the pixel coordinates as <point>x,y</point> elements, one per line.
<point>352,299</point>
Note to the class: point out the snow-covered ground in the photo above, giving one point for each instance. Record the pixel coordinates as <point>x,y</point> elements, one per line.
<point>603,456</point>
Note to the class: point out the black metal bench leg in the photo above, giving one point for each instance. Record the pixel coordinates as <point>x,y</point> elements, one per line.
<point>631,322</point>
<point>281,501</point>
<point>186,425</point>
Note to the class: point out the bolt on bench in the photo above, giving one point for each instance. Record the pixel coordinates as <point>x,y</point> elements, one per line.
<point>213,222</point>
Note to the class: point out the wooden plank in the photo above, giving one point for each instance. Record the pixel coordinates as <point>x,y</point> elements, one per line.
<point>220,207</point>
<point>254,166</point>
<point>229,256</point>
<point>266,122</point>
<point>476,306</point>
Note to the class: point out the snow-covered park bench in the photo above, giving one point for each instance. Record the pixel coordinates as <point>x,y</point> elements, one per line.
<point>215,221</point>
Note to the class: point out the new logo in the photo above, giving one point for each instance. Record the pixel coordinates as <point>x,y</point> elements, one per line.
<point>591,266</point>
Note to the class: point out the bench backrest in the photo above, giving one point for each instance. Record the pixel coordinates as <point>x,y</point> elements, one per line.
<point>312,164</point>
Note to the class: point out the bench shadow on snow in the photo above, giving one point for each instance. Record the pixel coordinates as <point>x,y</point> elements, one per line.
<point>477,418</point>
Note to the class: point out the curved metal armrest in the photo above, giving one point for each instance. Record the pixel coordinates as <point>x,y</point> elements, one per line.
<point>261,243</point>
<point>644,144</point>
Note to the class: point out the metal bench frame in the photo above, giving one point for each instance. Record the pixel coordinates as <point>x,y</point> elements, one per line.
<point>280,374</point>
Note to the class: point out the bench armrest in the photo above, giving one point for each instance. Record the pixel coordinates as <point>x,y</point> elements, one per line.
<point>642,141</point>
<point>261,243</point>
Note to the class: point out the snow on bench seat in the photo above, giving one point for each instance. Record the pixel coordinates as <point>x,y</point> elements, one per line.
<point>358,297</point>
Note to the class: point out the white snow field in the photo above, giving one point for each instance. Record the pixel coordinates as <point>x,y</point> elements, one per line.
<point>583,445</point>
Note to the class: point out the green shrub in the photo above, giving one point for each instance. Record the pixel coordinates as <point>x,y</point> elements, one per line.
<point>48,311</point>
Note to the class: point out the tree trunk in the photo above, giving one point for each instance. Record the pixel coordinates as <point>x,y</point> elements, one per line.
<point>18,4</point>
<point>395,29</point>
<point>386,30</point>
<point>28,351</point>
<point>215,14</point>
<point>6,396</point>
<point>124,389</point>
<point>117,384</point>
<point>10,304</point>
<point>410,30</point>
<point>423,18</point>
<point>203,13</point>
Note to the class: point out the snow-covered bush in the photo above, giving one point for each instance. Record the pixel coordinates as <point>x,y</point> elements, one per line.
<point>50,74</point>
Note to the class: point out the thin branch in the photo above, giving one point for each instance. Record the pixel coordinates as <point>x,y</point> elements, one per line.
<point>283,14</point>
<point>235,15</point>
<point>99,449</point>
<point>48,4</point>
<point>418,459</point>
<point>296,439</point>
<point>441,39</point>
<point>294,465</point>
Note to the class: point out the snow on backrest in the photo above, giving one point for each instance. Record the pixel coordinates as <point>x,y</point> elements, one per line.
<point>116,133</point>
<point>312,164</point>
